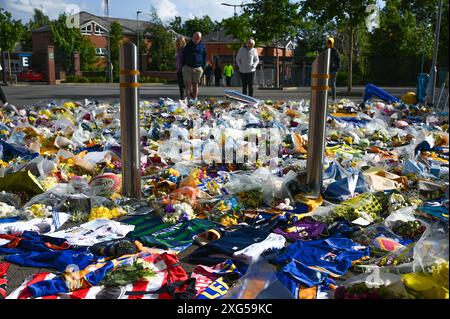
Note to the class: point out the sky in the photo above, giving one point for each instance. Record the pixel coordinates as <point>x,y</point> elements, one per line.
<point>166,9</point>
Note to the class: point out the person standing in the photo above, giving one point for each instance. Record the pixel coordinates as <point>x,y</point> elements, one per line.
<point>228,71</point>
<point>6,105</point>
<point>247,60</point>
<point>208,73</point>
<point>335,63</point>
<point>217,73</point>
<point>180,44</point>
<point>194,62</point>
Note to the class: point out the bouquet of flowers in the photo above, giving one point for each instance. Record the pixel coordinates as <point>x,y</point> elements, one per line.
<point>140,270</point>
<point>7,210</point>
<point>361,291</point>
<point>175,213</point>
<point>104,212</point>
<point>37,211</point>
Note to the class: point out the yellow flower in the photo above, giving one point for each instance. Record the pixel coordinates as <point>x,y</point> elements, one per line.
<point>110,165</point>
<point>71,161</point>
<point>70,105</point>
<point>3,164</point>
<point>104,212</point>
<point>39,210</point>
<point>115,196</point>
<point>47,113</point>
<point>49,182</point>
<point>174,172</point>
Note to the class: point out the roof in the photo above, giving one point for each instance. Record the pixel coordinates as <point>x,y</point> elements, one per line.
<point>221,37</point>
<point>129,26</point>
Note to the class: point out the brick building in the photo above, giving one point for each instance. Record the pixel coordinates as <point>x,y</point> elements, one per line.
<point>219,46</point>
<point>96,29</point>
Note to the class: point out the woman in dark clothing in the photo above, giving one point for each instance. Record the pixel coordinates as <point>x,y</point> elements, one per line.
<point>181,43</point>
<point>208,73</point>
<point>2,94</point>
<point>218,73</point>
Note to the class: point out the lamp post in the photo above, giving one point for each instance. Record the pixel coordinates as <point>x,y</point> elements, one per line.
<point>433,72</point>
<point>231,5</point>
<point>138,40</point>
<point>236,6</point>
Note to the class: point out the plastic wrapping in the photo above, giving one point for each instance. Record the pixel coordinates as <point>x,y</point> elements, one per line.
<point>259,282</point>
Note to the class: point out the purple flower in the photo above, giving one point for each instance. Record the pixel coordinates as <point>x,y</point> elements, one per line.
<point>169,209</point>
<point>184,217</point>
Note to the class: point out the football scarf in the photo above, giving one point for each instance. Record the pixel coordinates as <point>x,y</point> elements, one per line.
<point>170,282</point>
<point>3,281</point>
<point>151,231</point>
<point>206,276</point>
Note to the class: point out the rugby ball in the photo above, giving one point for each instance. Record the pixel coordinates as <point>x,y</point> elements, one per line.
<point>106,184</point>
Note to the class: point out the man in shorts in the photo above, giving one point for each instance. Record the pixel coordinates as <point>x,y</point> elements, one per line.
<point>194,62</point>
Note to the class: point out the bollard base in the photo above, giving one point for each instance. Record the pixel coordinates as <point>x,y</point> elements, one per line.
<point>299,186</point>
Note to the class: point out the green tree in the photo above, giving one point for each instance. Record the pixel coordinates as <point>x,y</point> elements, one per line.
<point>204,25</point>
<point>311,37</point>
<point>426,12</point>
<point>400,42</point>
<point>347,15</point>
<point>70,40</point>
<point>10,33</point>
<point>162,51</point>
<point>116,40</point>
<point>177,25</point>
<point>239,27</point>
<point>274,21</point>
<point>187,28</point>
<point>38,20</point>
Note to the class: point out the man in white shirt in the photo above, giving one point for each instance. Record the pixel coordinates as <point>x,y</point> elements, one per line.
<point>247,60</point>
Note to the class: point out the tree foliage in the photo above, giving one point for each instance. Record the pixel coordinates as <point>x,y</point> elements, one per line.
<point>311,37</point>
<point>38,20</point>
<point>239,27</point>
<point>187,28</point>
<point>273,19</point>
<point>116,34</point>
<point>11,31</point>
<point>70,40</point>
<point>162,51</point>
<point>348,16</point>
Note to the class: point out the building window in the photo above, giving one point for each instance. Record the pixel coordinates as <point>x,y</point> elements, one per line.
<point>100,51</point>
<point>86,30</point>
<point>99,30</point>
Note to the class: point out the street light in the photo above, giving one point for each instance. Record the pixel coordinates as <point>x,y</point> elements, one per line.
<point>235,6</point>
<point>433,72</point>
<point>138,40</point>
<point>231,5</point>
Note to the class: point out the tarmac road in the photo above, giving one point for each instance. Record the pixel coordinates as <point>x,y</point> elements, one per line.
<point>26,94</point>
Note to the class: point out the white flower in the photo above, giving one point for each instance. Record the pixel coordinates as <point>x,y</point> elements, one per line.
<point>7,210</point>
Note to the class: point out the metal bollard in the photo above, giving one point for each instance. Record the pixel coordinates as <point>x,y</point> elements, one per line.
<point>129,121</point>
<point>317,121</point>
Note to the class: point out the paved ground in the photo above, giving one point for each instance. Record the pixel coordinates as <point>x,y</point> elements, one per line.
<point>22,95</point>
